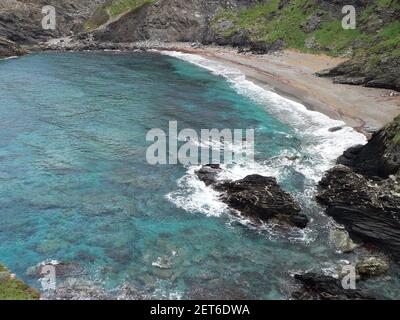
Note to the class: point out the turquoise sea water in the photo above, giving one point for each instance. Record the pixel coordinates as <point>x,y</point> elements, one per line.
<point>75,185</point>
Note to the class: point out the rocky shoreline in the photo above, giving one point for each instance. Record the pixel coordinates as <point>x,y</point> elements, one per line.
<point>362,192</point>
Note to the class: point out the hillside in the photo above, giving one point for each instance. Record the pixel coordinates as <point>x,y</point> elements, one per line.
<point>261,26</point>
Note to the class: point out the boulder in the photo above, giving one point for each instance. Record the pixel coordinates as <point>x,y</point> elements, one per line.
<point>372,267</point>
<point>257,197</point>
<point>342,242</point>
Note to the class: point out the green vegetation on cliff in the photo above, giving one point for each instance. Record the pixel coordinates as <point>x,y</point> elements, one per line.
<point>112,9</point>
<point>14,289</point>
<point>314,27</point>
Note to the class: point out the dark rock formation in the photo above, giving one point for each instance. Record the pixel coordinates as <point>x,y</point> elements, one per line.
<point>370,212</point>
<point>321,287</point>
<point>21,21</point>
<point>362,193</point>
<point>208,174</point>
<point>168,20</point>
<point>380,157</point>
<point>257,197</point>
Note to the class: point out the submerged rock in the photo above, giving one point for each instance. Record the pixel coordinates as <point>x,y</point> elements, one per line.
<point>256,197</point>
<point>372,267</point>
<point>321,287</point>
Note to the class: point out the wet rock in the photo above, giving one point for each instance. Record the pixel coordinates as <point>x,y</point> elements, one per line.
<point>321,287</point>
<point>372,267</point>
<point>370,212</point>
<point>208,173</point>
<point>342,241</point>
<point>380,157</point>
<point>257,197</point>
<point>335,129</point>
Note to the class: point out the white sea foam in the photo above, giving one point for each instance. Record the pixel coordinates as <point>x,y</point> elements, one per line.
<point>10,58</point>
<point>320,146</point>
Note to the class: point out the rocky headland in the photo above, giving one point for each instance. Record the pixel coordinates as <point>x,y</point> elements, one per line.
<point>362,192</point>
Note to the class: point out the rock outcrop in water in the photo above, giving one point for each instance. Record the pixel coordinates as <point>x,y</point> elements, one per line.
<point>321,287</point>
<point>364,195</point>
<point>257,197</point>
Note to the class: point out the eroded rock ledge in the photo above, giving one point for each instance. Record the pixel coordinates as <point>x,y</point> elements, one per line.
<point>257,197</point>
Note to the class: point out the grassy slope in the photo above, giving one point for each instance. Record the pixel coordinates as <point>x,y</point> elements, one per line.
<point>13,289</point>
<point>112,9</point>
<point>268,23</point>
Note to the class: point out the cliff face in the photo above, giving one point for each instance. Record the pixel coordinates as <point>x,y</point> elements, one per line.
<point>267,25</point>
<point>380,157</point>
<point>164,20</point>
<point>21,20</point>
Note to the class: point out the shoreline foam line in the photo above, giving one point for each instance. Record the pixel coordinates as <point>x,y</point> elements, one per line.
<point>321,145</point>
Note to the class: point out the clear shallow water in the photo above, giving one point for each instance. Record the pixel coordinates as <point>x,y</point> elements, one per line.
<point>75,185</point>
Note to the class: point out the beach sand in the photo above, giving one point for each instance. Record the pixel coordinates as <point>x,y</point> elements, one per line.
<point>292,74</point>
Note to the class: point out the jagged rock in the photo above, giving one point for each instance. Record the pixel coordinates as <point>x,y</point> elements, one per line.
<point>335,129</point>
<point>372,267</point>
<point>380,157</point>
<point>257,197</point>
<point>208,174</point>
<point>370,212</point>
<point>321,287</point>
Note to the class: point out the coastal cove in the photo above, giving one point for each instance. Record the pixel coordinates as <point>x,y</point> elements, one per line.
<point>85,194</point>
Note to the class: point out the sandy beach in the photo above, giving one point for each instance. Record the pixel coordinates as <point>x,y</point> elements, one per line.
<point>292,74</point>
